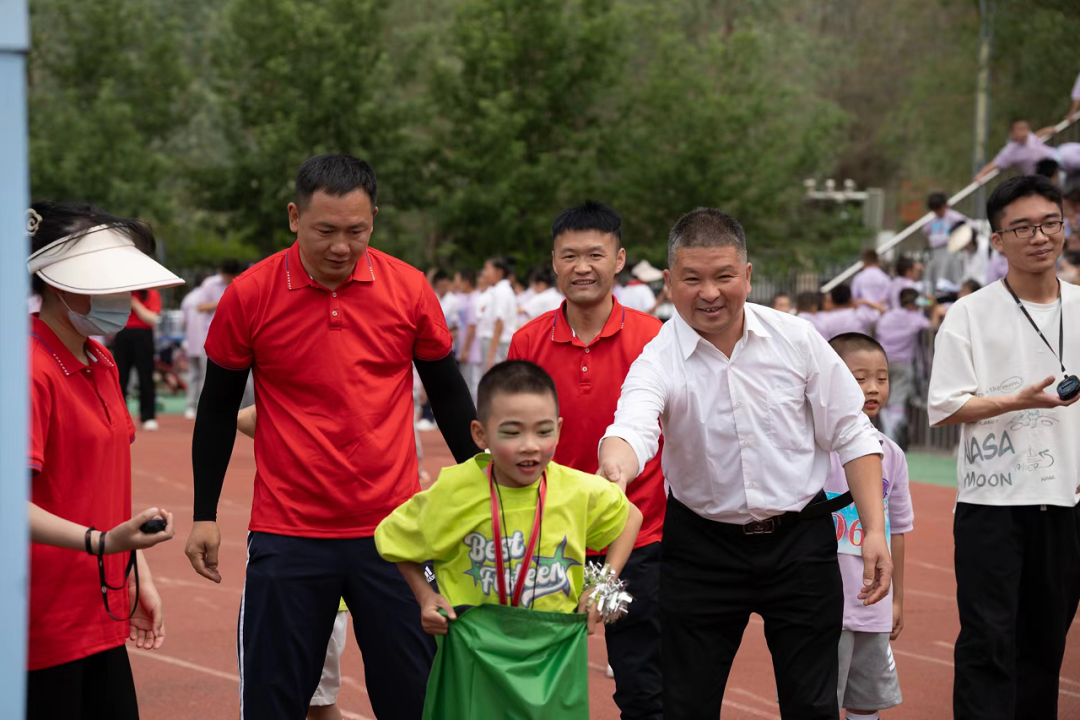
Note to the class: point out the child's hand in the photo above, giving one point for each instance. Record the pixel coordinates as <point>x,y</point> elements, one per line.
<point>434,622</point>
<point>589,607</point>
<point>897,619</point>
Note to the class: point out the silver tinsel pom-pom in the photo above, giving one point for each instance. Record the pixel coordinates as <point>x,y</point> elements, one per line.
<point>607,591</point>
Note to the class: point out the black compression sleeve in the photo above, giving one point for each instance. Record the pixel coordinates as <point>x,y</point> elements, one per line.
<point>215,434</point>
<point>451,404</point>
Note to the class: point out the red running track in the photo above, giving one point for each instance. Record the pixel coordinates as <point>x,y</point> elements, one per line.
<point>194,677</point>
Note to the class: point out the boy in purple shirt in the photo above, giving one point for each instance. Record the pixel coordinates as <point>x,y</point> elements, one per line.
<point>806,307</point>
<point>898,332</point>
<point>943,264</point>
<point>867,680</point>
<point>848,314</point>
<point>1023,150</point>
<point>909,273</point>
<point>872,283</point>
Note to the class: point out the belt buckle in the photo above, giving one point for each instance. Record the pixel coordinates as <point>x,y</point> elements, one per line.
<point>760,527</point>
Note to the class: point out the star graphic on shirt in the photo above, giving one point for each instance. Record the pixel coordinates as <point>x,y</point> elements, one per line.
<point>474,572</point>
<point>559,558</point>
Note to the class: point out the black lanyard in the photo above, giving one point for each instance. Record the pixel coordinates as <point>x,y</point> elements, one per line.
<point>105,586</point>
<point>1061,324</point>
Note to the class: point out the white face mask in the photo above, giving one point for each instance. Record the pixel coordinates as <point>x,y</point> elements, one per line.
<point>108,314</point>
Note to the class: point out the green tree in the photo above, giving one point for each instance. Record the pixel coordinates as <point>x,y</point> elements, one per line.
<point>107,91</point>
<point>519,97</point>
<point>292,79</point>
<point>715,121</point>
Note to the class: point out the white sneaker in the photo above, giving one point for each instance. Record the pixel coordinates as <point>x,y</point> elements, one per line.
<point>425,425</point>
<point>150,426</point>
<point>189,414</point>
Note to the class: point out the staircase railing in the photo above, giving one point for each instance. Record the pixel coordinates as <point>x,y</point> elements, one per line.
<point>994,177</point>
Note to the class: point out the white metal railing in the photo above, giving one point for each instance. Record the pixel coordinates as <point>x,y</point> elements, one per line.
<point>917,225</point>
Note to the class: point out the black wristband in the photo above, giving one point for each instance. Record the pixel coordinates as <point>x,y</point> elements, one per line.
<point>101,544</point>
<point>89,530</point>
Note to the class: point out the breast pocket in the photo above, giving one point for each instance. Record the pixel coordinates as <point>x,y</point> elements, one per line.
<point>786,418</point>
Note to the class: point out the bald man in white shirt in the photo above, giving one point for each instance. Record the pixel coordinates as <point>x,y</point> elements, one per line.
<point>751,402</point>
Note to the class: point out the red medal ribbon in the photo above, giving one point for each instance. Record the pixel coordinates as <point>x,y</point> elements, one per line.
<point>496,528</point>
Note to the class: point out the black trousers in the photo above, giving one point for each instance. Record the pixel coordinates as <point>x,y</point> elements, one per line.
<point>1016,569</point>
<point>287,614</point>
<point>134,347</point>
<point>98,687</point>
<point>713,576</point>
<point>633,642</point>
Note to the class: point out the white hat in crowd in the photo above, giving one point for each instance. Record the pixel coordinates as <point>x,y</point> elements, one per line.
<point>646,273</point>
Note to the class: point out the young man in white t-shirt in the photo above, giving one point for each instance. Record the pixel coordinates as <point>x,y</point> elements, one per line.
<point>997,369</point>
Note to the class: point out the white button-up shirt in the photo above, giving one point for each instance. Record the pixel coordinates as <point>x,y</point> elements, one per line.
<point>504,307</point>
<point>749,437</point>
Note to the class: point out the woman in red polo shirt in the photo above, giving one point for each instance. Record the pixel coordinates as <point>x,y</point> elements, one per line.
<point>85,265</point>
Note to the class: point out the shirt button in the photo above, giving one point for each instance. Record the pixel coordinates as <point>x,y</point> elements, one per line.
<point>333,294</point>
<point>750,486</point>
<point>586,349</point>
<point>584,369</point>
<point>737,405</point>
<point>744,443</point>
<point>334,313</point>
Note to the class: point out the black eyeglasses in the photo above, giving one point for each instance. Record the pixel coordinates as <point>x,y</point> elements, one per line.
<point>1026,232</point>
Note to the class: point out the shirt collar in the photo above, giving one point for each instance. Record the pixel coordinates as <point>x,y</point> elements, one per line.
<point>67,361</point>
<point>688,338</point>
<point>563,333</point>
<point>297,277</point>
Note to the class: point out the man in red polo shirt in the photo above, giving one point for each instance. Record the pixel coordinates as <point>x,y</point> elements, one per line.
<point>331,329</point>
<point>587,346</point>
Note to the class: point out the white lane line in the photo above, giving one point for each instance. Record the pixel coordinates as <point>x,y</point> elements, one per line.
<point>200,584</point>
<point>925,658</point>
<point>207,603</point>
<point>156,655</point>
<point>936,596</point>
<point>951,647</point>
<point>231,677</point>
<point>764,700</point>
<point>753,711</point>
<point>930,566</point>
<point>354,683</point>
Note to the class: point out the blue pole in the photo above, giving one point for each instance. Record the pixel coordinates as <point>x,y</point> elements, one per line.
<point>14,482</point>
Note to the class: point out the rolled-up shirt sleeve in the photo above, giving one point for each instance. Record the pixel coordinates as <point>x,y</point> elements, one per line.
<point>641,403</point>
<point>836,402</point>
<point>952,379</point>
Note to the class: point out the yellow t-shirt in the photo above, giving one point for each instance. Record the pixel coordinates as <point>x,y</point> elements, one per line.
<point>450,524</point>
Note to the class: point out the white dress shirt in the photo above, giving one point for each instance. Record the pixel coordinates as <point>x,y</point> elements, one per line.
<point>485,315</point>
<point>543,302</point>
<point>504,307</point>
<point>639,296</point>
<point>749,437</point>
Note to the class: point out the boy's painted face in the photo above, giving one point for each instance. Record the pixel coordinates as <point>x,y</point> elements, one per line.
<point>521,431</point>
<point>871,370</point>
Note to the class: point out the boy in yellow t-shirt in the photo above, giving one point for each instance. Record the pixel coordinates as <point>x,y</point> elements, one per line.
<point>453,523</point>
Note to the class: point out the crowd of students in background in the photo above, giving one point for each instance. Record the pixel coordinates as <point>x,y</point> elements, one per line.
<point>897,307</point>
<point>484,308</point>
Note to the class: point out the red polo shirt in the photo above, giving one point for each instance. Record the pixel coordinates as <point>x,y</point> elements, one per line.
<point>334,446</point>
<point>152,301</point>
<point>80,459</point>
<point>589,381</point>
